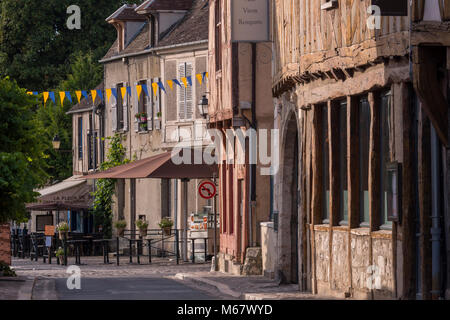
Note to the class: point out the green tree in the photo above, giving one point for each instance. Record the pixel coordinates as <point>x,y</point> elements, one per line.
<point>22,156</point>
<point>36,45</point>
<point>85,72</point>
<point>104,188</point>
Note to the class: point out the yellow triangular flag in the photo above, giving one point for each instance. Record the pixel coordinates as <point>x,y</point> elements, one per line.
<point>138,90</point>
<point>155,87</point>
<point>78,93</point>
<point>108,94</point>
<point>94,95</point>
<point>184,81</point>
<point>123,91</point>
<point>62,95</point>
<point>199,78</point>
<point>206,74</point>
<point>45,97</point>
<point>170,83</point>
<point>29,92</point>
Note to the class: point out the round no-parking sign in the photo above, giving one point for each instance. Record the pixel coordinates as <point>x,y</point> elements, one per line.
<point>207,189</point>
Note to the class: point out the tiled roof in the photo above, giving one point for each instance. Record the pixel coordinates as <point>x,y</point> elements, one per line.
<point>155,5</point>
<point>126,13</point>
<point>85,104</point>
<point>193,27</point>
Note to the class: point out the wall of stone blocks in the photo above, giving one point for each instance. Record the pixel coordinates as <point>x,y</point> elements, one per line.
<point>5,244</point>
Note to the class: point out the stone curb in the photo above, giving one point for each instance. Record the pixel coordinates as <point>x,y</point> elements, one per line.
<point>223,288</point>
<point>26,290</point>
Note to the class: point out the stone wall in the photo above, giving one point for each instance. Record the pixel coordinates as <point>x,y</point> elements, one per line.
<point>5,244</point>
<point>268,242</point>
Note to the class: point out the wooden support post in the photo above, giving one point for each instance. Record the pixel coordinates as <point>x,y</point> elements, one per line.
<point>317,166</point>
<point>353,161</point>
<point>333,132</point>
<point>374,162</point>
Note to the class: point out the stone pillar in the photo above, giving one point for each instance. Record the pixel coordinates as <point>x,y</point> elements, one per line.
<point>5,243</point>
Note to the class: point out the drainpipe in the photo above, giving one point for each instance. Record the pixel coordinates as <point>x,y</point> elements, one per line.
<point>252,198</point>
<point>435,217</point>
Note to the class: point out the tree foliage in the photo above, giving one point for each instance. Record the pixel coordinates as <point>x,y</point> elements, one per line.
<point>104,188</point>
<point>22,156</point>
<point>36,46</point>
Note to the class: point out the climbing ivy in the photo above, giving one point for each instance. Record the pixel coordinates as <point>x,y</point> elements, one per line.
<point>104,188</point>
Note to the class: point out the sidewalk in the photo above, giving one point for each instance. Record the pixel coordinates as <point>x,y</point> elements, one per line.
<point>16,288</point>
<point>247,287</point>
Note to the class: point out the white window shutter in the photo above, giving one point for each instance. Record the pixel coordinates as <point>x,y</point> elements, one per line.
<point>125,109</point>
<point>157,105</point>
<point>181,94</point>
<point>189,91</point>
<point>113,113</point>
<point>149,105</point>
<point>135,109</point>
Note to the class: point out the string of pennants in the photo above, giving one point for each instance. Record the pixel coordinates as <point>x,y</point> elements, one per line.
<point>186,81</point>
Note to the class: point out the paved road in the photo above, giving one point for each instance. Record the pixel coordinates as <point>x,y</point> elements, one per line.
<point>149,288</point>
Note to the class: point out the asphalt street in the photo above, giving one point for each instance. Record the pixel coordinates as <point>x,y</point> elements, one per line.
<point>149,288</point>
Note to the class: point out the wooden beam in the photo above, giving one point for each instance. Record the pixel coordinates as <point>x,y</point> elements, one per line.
<point>317,167</point>
<point>374,162</point>
<point>333,132</point>
<point>353,161</point>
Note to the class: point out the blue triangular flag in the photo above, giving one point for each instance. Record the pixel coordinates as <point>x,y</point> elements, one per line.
<point>99,93</point>
<point>144,87</point>
<point>189,80</point>
<point>114,92</point>
<point>35,93</point>
<point>160,84</point>
<point>129,91</point>
<point>51,94</point>
<point>69,96</point>
<point>85,95</point>
<point>203,76</point>
<point>177,82</point>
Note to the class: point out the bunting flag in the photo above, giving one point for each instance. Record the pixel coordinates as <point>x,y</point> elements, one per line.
<point>176,82</point>
<point>108,94</point>
<point>45,97</point>
<point>129,91</point>
<point>170,83</point>
<point>51,94</point>
<point>85,95</point>
<point>184,80</point>
<point>35,93</point>
<point>68,96</point>
<point>138,91</point>
<point>144,87</point>
<point>29,93</point>
<point>78,93</point>
<point>123,91</point>
<point>160,84</point>
<point>189,80</point>
<point>100,94</point>
<point>94,95</point>
<point>114,92</point>
<point>199,78</point>
<point>62,95</point>
<point>155,87</point>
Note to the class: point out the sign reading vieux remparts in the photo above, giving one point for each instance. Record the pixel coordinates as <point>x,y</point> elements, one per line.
<point>249,20</point>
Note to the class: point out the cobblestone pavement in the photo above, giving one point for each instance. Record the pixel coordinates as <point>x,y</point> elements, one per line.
<point>95,268</point>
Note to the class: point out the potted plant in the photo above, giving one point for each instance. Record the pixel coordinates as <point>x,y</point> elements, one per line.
<point>143,125</point>
<point>158,114</point>
<point>63,229</point>
<point>142,225</point>
<point>137,116</point>
<point>60,255</point>
<point>166,225</point>
<point>120,226</point>
<point>143,117</point>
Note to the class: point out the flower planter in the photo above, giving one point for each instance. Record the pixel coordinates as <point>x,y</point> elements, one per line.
<point>62,235</point>
<point>143,119</point>
<point>167,231</point>
<point>120,232</point>
<point>143,232</point>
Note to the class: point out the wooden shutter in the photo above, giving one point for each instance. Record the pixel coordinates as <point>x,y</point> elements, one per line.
<point>157,105</point>
<point>189,91</point>
<point>125,109</point>
<point>181,93</point>
<point>135,108</point>
<point>114,113</point>
<point>149,105</point>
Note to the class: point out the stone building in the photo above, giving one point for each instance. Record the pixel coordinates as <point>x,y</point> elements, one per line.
<point>240,99</point>
<point>363,180</point>
<point>157,41</point>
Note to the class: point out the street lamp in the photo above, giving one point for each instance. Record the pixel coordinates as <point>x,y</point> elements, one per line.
<point>56,142</point>
<point>203,105</point>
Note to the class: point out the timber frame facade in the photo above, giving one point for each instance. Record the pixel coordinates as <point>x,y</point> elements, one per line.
<point>352,105</point>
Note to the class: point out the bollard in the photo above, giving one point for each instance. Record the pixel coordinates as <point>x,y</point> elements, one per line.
<point>131,253</point>
<point>177,249</point>
<point>193,251</point>
<point>117,251</point>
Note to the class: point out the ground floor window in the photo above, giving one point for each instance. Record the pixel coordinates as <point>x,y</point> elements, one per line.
<point>364,148</point>
<point>343,189</point>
